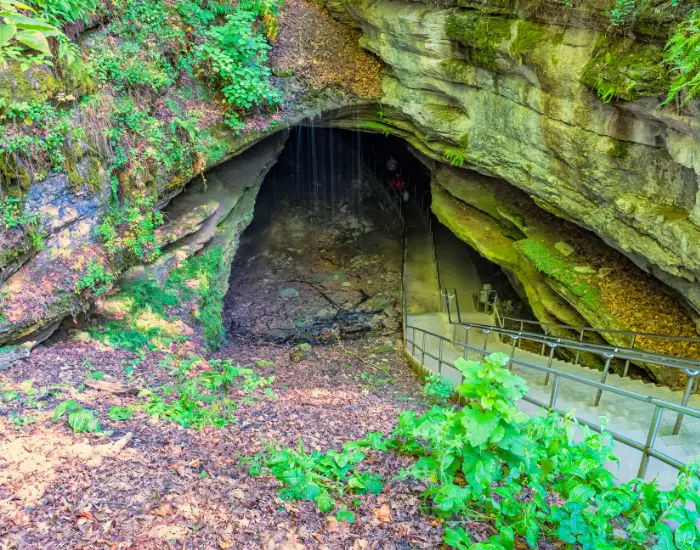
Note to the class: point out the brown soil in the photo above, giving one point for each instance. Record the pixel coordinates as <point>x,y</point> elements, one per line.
<point>324,52</point>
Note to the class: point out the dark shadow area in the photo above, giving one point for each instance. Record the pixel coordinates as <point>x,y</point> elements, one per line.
<point>322,258</point>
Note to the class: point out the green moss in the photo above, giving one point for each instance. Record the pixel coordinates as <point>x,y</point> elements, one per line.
<point>622,68</point>
<point>528,37</point>
<point>457,71</point>
<point>549,261</point>
<point>558,39</point>
<point>373,126</point>
<point>95,174</point>
<point>480,34</point>
<point>619,149</point>
<point>216,145</point>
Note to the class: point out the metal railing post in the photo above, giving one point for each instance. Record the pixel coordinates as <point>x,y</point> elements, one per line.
<point>578,351</point>
<point>651,438</point>
<point>549,363</point>
<point>542,350</point>
<point>596,401</point>
<point>627,362</point>
<point>422,355</point>
<point>486,338</point>
<point>684,402</point>
<point>512,352</point>
<point>555,391</point>
<point>459,313</point>
<point>440,356</point>
<point>413,343</point>
<point>522,327</point>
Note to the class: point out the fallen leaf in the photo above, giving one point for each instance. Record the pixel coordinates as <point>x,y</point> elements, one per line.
<point>383,513</point>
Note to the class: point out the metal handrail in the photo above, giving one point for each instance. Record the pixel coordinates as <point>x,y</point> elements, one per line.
<point>689,366</point>
<point>634,333</point>
<point>647,448</point>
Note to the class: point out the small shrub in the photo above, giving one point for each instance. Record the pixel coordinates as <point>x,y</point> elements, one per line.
<point>533,479</point>
<point>128,231</point>
<point>96,279</point>
<point>437,389</point>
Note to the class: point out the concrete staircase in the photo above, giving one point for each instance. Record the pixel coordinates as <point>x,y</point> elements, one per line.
<point>623,415</point>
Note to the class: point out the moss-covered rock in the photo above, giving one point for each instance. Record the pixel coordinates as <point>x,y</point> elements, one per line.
<point>622,68</point>
<point>481,35</point>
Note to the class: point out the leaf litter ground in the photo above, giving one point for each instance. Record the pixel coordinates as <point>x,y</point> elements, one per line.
<point>147,483</point>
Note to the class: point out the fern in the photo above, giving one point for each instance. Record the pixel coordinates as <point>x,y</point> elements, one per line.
<point>683,54</point>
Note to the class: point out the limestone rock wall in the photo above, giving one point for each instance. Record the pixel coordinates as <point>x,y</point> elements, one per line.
<point>513,97</point>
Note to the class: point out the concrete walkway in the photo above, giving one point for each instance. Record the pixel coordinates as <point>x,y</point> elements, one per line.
<point>420,271</point>
<point>624,415</point>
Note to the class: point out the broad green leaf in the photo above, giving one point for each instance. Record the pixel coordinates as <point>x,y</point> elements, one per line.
<point>7,31</point>
<point>686,535</point>
<point>34,40</point>
<point>663,532</point>
<point>83,420</point>
<point>581,493</point>
<point>26,23</point>
<point>310,491</point>
<point>345,516</point>
<point>64,407</point>
<point>457,538</point>
<point>325,502</point>
<point>479,425</point>
<point>375,486</point>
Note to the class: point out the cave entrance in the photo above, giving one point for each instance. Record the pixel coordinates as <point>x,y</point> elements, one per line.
<point>323,256</point>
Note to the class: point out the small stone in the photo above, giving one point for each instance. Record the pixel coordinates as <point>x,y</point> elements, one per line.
<point>565,249</point>
<point>10,354</point>
<point>585,269</point>
<point>604,272</point>
<point>289,293</point>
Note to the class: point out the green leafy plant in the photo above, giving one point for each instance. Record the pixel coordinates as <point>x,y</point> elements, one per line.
<point>128,231</point>
<point>683,55</point>
<point>21,33</point>
<point>532,479</point>
<point>96,279</point>
<point>454,157</point>
<point>202,401</point>
<point>79,419</point>
<point>373,380</point>
<point>437,389</point>
<point>623,12</point>
<point>119,414</point>
<point>234,55</point>
<point>322,478</point>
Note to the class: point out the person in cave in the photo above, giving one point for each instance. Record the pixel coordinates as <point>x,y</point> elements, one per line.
<point>398,184</point>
